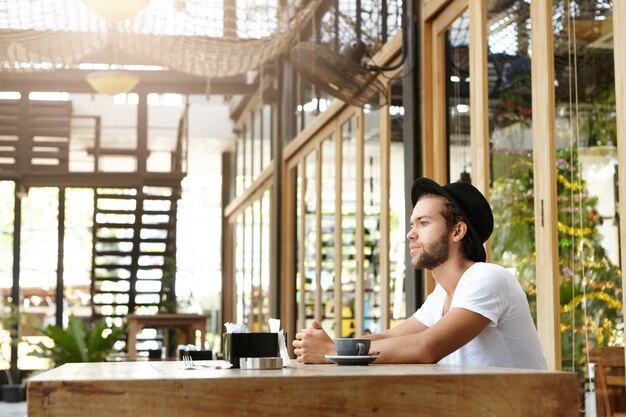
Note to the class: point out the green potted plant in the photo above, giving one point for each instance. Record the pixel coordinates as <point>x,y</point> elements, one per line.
<point>79,342</point>
<point>9,319</point>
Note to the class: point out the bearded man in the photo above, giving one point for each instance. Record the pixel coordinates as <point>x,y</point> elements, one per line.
<point>477,314</point>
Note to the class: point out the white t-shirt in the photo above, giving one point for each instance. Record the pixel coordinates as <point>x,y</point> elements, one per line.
<point>510,340</point>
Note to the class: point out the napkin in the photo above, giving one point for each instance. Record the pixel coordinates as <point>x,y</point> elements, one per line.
<point>235,328</point>
<point>282,340</point>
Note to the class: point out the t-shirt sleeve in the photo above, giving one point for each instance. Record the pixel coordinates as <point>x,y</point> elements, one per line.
<point>425,314</point>
<point>482,292</point>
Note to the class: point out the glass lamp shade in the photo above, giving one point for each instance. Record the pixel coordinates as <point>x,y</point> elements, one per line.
<point>112,82</point>
<point>116,10</point>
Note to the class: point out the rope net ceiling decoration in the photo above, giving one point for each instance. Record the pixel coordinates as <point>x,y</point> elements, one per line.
<point>208,38</point>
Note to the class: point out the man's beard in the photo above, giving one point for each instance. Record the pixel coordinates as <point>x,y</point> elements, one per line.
<point>433,255</point>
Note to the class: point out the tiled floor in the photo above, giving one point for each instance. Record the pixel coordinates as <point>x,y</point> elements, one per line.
<point>12,409</point>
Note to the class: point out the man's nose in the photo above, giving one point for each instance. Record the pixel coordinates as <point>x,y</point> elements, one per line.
<point>410,235</point>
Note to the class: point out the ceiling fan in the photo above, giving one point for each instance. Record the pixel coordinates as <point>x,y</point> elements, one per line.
<point>342,74</point>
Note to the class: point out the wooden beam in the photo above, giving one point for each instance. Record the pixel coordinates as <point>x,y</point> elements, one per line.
<point>73,81</point>
<point>359,288</point>
<point>479,98</point>
<point>427,108</point>
<point>544,171</point>
<point>439,103</point>
<point>228,245</point>
<point>304,181</point>
<point>251,193</point>
<point>338,231</point>
<point>319,308</point>
<point>430,8</point>
<point>292,259</point>
<point>97,179</point>
<point>384,123</point>
<point>142,134</point>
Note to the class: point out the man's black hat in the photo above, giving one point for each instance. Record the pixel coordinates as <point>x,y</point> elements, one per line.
<point>469,201</point>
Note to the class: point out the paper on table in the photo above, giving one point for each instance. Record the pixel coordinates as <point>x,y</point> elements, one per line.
<point>208,364</point>
<point>235,328</point>
<point>282,342</point>
<point>274,325</point>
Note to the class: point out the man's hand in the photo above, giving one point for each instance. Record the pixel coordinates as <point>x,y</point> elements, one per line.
<point>312,344</point>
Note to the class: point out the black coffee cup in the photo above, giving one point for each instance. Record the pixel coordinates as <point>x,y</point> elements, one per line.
<point>352,346</point>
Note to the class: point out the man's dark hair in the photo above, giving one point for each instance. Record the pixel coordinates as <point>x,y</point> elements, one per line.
<point>452,215</point>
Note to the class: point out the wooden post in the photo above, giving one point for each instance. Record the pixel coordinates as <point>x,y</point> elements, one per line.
<point>544,167</point>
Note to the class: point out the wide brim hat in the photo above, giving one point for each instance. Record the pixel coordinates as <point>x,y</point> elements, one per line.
<point>469,201</point>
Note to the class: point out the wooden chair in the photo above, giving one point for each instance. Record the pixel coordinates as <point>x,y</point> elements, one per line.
<point>610,381</point>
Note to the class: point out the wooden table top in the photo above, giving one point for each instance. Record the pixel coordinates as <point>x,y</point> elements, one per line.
<point>162,389</point>
<point>147,370</point>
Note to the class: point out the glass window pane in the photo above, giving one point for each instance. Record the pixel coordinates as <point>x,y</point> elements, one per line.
<point>458,100</point>
<point>265,258</point>
<point>300,181</point>
<point>397,215</point>
<point>510,126</point>
<point>266,137</point>
<point>371,222</point>
<point>78,248</point>
<point>7,206</point>
<point>256,315</point>
<point>348,226</point>
<point>587,179</point>
<point>256,143</point>
<point>39,243</point>
<point>163,133</point>
<point>118,130</point>
<point>239,178</point>
<point>327,234</point>
<point>239,266</point>
<point>248,245</point>
<point>249,153</point>
<point>310,236</point>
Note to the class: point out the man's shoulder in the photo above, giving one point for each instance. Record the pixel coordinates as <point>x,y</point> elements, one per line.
<point>482,268</point>
<point>488,274</point>
<point>490,268</point>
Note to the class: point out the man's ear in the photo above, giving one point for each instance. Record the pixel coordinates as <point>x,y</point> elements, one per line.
<point>459,231</point>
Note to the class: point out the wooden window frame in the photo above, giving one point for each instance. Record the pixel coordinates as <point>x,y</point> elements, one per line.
<point>436,15</point>
<point>331,122</point>
<point>437,20</point>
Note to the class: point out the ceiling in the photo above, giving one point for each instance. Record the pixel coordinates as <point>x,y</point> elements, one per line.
<point>182,46</point>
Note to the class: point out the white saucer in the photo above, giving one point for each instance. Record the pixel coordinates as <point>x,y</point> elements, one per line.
<point>352,360</point>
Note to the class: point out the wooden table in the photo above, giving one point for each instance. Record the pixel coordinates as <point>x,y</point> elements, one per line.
<point>160,389</point>
<point>188,323</point>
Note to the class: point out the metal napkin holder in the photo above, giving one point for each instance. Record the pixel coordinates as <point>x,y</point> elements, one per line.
<point>261,363</point>
<point>249,345</point>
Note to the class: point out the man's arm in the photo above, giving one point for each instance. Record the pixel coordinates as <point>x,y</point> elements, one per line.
<point>454,330</point>
<point>409,342</point>
<point>409,326</point>
<point>312,344</point>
